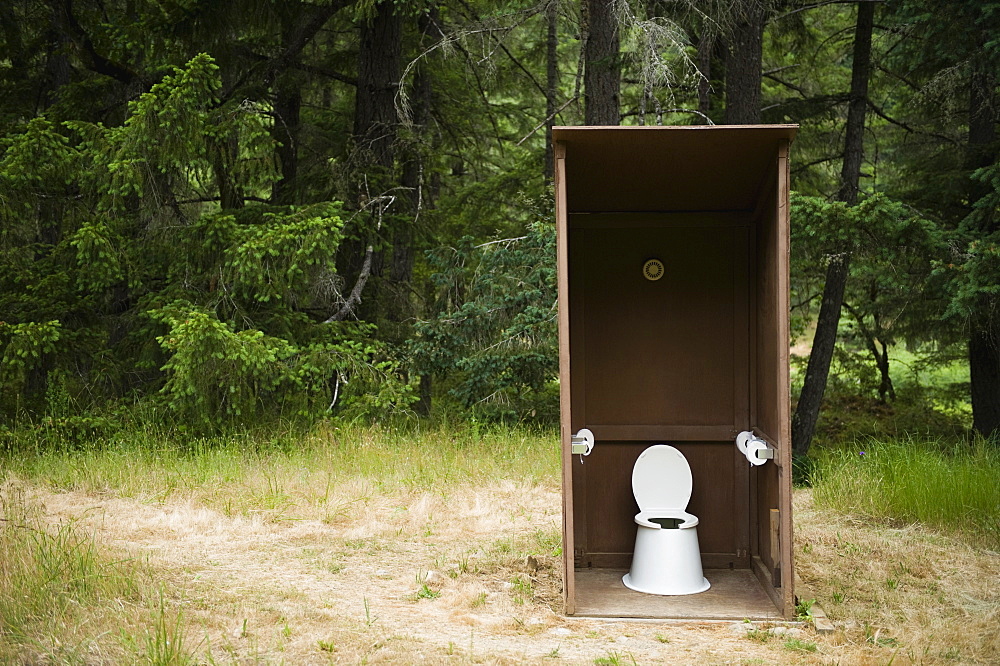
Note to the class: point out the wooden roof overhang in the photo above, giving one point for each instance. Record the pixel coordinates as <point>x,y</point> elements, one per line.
<point>668,168</point>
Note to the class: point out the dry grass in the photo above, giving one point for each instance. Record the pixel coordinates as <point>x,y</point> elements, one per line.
<point>928,597</point>
<point>364,551</point>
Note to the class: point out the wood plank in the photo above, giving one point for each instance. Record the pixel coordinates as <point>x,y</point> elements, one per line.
<point>775,530</point>
<point>741,329</point>
<point>658,352</point>
<point>735,595</point>
<point>623,221</point>
<point>565,413</point>
<point>663,433</point>
<point>784,382</point>
<point>763,575</point>
<point>578,388</point>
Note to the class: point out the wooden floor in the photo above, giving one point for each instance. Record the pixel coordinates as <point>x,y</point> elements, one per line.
<point>735,594</point>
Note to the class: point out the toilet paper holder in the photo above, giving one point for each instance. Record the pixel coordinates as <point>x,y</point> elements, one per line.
<point>582,443</point>
<point>756,450</point>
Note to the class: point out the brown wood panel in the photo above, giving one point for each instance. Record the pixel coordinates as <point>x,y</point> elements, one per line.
<point>662,433</point>
<point>784,380</point>
<point>608,508</point>
<point>741,330</point>
<point>768,335</point>
<point>768,585</point>
<point>609,504</point>
<point>770,409</point>
<point>659,352</point>
<point>767,499</point>
<point>658,219</point>
<point>577,383</point>
<point>565,418</point>
<point>667,168</point>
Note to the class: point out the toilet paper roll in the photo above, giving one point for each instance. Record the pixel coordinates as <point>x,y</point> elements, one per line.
<point>752,447</point>
<point>742,439</point>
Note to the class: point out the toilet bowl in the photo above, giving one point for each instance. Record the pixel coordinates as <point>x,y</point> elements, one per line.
<point>667,559</point>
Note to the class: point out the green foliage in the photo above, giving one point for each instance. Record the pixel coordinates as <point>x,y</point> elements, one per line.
<point>286,253</point>
<point>973,274</point>
<point>187,157</point>
<point>496,324</point>
<point>25,348</point>
<point>894,293</point>
<point>949,486</point>
<point>216,375</point>
<point>220,311</point>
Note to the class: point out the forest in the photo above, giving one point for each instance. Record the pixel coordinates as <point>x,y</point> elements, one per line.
<point>217,215</point>
<point>278,327</point>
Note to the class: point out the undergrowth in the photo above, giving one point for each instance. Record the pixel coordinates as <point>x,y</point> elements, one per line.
<point>950,485</point>
<point>271,469</point>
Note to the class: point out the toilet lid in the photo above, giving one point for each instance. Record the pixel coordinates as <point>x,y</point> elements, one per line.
<point>661,479</point>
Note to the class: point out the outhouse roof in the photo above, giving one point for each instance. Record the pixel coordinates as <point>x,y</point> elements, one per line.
<point>668,168</point>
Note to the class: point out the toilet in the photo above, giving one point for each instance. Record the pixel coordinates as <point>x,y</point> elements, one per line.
<point>667,559</point>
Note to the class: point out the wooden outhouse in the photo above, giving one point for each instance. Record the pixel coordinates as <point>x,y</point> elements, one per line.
<point>690,359</point>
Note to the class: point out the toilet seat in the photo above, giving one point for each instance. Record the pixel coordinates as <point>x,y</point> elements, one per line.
<point>661,484</point>
<point>646,516</point>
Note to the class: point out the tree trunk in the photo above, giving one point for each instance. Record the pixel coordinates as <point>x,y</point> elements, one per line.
<point>287,111</point>
<point>401,269</point>
<point>375,124</point>
<point>886,390</point>
<point>984,371</point>
<point>984,340</point>
<point>287,106</point>
<point>57,67</point>
<point>880,352</point>
<point>818,370</point>
<point>551,82</point>
<point>225,152</point>
<point>424,392</point>
<point>850,171</point>
<point>743,64</point>
<point>814,385</point>
<point>602,75</point>
<point>379,53</point>
<point>706,45</point>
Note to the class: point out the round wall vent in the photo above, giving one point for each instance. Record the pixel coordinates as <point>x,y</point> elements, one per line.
<point>652,269</point>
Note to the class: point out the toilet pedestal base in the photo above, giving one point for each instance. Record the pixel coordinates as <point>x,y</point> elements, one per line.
<point>666,562</point>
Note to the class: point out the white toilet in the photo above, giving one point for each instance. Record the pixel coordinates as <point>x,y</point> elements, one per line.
<point>667,559</point>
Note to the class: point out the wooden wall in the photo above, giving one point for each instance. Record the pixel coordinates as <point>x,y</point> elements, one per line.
<point>660,361</point>
<point>665,359</point>
<point>604,507</point>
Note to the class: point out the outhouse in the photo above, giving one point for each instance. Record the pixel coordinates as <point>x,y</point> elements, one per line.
<point>673,329</point>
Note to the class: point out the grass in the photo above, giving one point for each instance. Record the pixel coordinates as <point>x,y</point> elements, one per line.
<point>272,474</point>
<point>58,583</point>
<point>799,645</point>
<point>951,487</point>
<point>375,487</point>
<point>891,586</point>
<point>304,545</point>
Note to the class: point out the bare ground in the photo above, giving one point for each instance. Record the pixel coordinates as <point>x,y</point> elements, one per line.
<point>398,576</point>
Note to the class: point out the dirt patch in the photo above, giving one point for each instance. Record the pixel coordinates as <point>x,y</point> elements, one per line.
<point>406,577</point>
